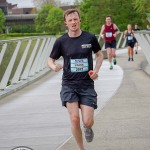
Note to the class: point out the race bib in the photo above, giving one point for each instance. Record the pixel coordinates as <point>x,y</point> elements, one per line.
<point>79,65</point>
<point>130,38</point>
<point>108,34</point>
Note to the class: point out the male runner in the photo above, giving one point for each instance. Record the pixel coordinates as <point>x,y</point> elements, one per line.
<point>109,32</point>
<point>77,93</point>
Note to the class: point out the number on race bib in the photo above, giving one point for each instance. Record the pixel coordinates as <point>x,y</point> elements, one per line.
<point>108,34</point>
<point>79,65</point>
<point>130,38</point>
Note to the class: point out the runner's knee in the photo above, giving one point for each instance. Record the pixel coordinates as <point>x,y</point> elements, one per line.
<point>75,121</point>
<point>88,122</point>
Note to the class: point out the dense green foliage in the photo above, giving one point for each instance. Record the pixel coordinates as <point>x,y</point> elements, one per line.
<point>141,6</point>
<point>20,35</point>
<point>23,28</point>
<point>54,20</point>
<point>50,19</point>
<point>40,21</point>
<point>123,12</point>
<point>2,21</point>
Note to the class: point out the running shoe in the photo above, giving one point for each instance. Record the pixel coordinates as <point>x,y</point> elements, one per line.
<point>111,67</point>
<point>115,61</point>
<point>89,134</point>
<point>129,59</point>
<point>136,52</point>
<point>132,59</point>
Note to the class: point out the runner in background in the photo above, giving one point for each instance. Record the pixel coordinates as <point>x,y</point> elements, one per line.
<point>148,27</point>
<point>136,43</point>
<point>130,41</point>
<point>109,32</point>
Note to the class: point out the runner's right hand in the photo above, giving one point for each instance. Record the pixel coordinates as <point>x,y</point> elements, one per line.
<point>57,67</point>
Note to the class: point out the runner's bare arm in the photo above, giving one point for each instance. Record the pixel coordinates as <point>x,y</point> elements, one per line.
<point>125,32</point>
<point>55,67</point>
<point>117,30</point>
<point>99,60</point>
<point>102,32</point>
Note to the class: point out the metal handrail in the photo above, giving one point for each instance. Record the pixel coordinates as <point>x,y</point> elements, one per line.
<point>120,41</point>
<point>143,38</point>
<point>31,61</point>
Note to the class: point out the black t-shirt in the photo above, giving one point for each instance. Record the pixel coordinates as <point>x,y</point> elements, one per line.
<point>77,54</point>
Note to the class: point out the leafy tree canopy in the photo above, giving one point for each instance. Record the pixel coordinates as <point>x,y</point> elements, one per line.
<point>123,12</point>
<point>50,19</point>
<point>54,20</point>
<point>2,21</point>
<point>40,21</point>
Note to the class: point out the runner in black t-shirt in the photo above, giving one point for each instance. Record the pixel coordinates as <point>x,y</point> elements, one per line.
<point>76,47</point>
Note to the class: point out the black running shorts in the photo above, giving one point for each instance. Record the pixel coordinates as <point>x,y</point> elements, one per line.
<point>86,96</point>
<point>111,44</point>
<point>130,44</point>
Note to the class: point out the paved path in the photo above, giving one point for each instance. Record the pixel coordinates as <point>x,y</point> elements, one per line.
<point>124,123</point>
<point>33,116</point>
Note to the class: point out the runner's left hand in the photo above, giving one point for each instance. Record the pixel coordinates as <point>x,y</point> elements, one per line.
<point>93,75</point>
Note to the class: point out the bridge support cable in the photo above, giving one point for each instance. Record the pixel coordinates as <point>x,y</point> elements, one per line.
<point>18,72</point>
<point>25,74</point>
<point>4,47</point>
<point>34,68</point>
<point>23,60</point>
<point>8,71</point>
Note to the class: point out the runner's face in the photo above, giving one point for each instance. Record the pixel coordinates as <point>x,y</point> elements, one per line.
<point>108,20</point>
<point>129,27</point>
<point>136,26</point>
<point>73,21</point>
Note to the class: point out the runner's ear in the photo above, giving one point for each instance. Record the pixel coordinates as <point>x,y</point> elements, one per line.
<point>65,23</point>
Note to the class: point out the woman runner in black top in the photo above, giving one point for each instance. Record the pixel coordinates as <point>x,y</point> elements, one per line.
<point>130,41</point>
<point>76,48</point>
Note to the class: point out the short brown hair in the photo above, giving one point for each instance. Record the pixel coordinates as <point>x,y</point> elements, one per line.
<point>70,11</point>
<point>109,17</point>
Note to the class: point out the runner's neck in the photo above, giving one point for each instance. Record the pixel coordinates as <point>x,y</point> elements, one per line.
<point>75,33</point>
<point>108,24</point>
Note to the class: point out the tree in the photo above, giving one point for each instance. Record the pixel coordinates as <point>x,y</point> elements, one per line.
<point>40,21</point>
<point>55,20</point>
<point>50,19</point>
<point>142,7</point>
<point>77,2</point>
<point>41,3</point>
<point>23,28</point>
<point>93,13</point>
<point>2,21</point>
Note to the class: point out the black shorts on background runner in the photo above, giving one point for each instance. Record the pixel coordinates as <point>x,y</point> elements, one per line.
<point>111,44</point>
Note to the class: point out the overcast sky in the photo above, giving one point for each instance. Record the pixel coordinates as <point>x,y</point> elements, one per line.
<point>28,3</point>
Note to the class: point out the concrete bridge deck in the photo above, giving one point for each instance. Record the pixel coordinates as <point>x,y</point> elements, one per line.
<point>33,116</point>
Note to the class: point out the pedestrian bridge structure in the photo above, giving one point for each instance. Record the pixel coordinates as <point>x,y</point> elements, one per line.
<point>30,109</point>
